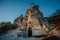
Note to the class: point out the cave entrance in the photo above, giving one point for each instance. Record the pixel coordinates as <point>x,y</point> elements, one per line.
<point>29,31</point>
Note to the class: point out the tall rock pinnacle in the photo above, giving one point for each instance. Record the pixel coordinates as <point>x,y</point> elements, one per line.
<point>33,20</point>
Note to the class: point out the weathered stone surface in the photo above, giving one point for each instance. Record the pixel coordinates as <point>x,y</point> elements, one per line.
<point>33,19</point>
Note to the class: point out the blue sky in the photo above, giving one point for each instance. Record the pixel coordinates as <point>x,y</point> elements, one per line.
<point>11,9</point>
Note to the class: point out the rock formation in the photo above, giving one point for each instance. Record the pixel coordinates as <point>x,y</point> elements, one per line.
<point>33,19</point>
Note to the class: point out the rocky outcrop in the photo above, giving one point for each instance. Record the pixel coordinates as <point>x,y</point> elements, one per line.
<point>33,19</point>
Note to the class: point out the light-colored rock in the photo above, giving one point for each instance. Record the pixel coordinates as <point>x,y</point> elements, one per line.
<point>32,19</point>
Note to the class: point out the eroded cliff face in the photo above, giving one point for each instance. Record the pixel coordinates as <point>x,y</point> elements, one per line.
<point>33,19</point>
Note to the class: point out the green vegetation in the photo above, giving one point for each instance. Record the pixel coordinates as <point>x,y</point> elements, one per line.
<point>5,26</point>
<point>55,18</point>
